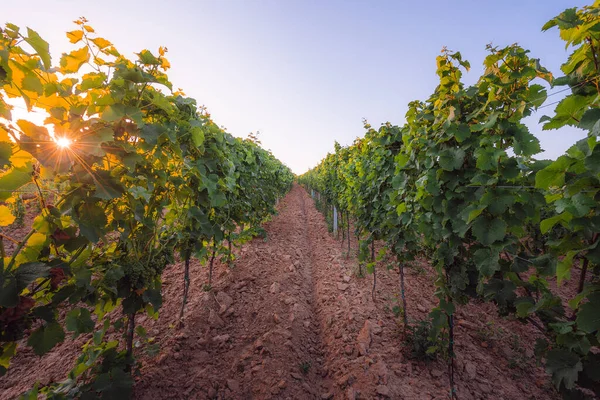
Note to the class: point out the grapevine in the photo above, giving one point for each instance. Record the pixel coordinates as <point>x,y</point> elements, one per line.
<point>131,172</point>
<point>459,183</point>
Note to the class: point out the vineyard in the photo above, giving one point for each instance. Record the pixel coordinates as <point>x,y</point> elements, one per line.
<point>148,253</point>
<point>458,185</point>
<point>131,176</point>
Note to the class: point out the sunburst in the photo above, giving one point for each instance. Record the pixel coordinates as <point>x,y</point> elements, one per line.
<point>63,142</point>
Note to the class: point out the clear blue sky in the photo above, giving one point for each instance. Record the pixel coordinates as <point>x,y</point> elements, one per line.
<point>305,72</point>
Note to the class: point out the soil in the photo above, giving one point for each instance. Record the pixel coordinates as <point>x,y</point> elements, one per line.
<point>292,320</point>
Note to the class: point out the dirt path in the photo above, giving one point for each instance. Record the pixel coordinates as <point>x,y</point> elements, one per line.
<point>257,334</point>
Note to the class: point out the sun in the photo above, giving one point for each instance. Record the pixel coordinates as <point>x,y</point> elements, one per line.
<point>63,142</point>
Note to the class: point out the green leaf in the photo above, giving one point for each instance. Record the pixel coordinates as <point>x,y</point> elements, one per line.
<point>568,112</point>
<point>79,321</point>
<point>139,192</point>
<point>154,297</point>
<point>43,339</point>
<point>487,158</point>
<point>562,328</point>
<point>135,114</point>
<point>197,136</point>
<point>548,223</point>
<point>593,255</point>
<point>40,46</point>
<point>146,57</point>
<point>489,230</point>
<point>401,160</point>
<point>452,159</point>
<point>589,119</point>
<point>29,272</point>
<point>93,80</point>
<point>108,189</point>
<point>33,84</point>
<point>591,367</point>
<point>218,199</point>
<point>588,317</point>
<point>545,265</point>
<point>401,208</point>
<point>563,268</point>
<point>553,174</point>
<point>9,295</point>
<point>14,180</point>
<point>501,291</point>
<point>92,221</point>
<point>92,143</point>
<point>525,143</point>
<point>461,132</point>
<point>592,162</point>
<point>564,366</point>
<point>115,384</point>
<point>537,95</point>
<point>499,203</point>
<point>151,132</point>
<point>5,153</point>
<point>524,307</point>
<point>114,112</point>
<point>7,351</point>
<point>578,205</point>
<point>486,261</point>
<point>476,212</point>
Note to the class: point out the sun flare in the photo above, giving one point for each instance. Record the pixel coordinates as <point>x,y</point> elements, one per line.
<point>63,142</point>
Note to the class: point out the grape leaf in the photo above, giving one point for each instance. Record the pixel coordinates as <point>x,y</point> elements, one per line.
<point>43,339</point>
<point>488,231</point>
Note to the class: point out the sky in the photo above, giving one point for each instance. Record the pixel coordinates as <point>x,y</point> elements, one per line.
<point>305,73</point>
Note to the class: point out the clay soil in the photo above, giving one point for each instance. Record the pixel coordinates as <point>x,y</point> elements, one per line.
<point>292,320</point>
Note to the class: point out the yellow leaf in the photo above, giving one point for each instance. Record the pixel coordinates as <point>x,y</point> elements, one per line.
<point>70,63</point>
<point>46,173</point>
<point>101,42</point>
<point>48,77</point>
<point>53,101</point>
<point>164,63</point>
<point>112,51</point>
<point>14,179</point>
<point>32,249</point>
<point>89,28</point>
<point>41,223</point>
<point>99,61</point>
<point>7,353</point>
<point>35,132</point>
<point>75,36</point>
<point>4,137</point>
<point>17,72</point>
<point>11,90</point>
<point>6,217</point>
<point>65,221</point>
<point>37,240</point>
<point>20,158</point>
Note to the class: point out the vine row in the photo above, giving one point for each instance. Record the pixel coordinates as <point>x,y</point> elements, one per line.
<point>126,173</point>
<point>459,184</point>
